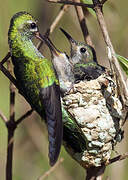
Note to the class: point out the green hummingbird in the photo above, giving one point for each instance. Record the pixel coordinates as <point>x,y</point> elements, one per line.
<point>36,78</point>
<point>84,60</point>
<point>62,66</point>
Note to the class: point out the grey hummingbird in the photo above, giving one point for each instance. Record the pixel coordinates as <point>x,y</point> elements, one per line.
<point>62,66</point>
<point>84,60</point>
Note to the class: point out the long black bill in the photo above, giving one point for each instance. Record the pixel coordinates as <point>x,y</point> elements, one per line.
<point>39,36</point>
<point>71,40</point>
<point>48,42</point>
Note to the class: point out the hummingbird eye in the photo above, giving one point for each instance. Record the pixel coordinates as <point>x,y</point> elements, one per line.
<point>33,25</point>
<point>82,50</point>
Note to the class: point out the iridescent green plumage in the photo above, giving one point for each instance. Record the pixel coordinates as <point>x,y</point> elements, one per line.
<point>36,78</point>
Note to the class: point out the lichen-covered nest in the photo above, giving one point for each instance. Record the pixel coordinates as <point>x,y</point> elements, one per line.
<point>98,113</point>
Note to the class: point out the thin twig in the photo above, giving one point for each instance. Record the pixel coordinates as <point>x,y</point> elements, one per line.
<point>95,172</point>
<point>100,18</point>
<point>6,72</point>
<point>63,9</point>
<point>83,25</point>
<point>72,3</point>
<point>9,154</point>
<point>3,117</point>
<point>28,113</point>
<point>11,129</point>
<point>47,173</point>
<point>11,124</point>
<point>12,95</point>
<point>6,58</point>
<point>118,158</point>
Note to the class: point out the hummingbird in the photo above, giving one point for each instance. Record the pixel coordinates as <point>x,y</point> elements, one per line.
<point>84,60</point>
<point>62,66</point>
<point>73,138</point>
<point>36,78</point>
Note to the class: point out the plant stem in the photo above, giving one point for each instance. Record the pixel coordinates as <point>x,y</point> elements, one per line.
<point>11,126</point>
<point>82,22</point>
<point>114,61</point>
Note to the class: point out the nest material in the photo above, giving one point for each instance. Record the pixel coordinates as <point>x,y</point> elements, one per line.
<point>98,112</point>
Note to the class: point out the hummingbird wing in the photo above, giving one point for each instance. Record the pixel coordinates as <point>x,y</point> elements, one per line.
<point>50,99</point>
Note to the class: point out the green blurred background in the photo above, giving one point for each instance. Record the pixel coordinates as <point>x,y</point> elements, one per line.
<point>31,145</point>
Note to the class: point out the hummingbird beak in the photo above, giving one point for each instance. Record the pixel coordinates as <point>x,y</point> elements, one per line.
<point>52,47</point>
<point>39,36</point>
<point>71,40</point>
<point>49,43</point>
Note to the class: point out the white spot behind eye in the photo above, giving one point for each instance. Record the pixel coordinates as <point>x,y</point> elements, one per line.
<point>30,22</point>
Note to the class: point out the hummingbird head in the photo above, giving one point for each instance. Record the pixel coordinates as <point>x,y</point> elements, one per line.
<point>61,64</point>
<point>23,26</point>
<point>80,52</point>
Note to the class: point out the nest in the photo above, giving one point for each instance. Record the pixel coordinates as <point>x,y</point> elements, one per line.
<point>97,111</point>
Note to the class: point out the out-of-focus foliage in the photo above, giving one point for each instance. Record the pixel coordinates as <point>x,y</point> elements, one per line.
<point>31,145</point>
<point>124,63</point>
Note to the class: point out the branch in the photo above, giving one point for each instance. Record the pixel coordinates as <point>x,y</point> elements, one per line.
<point>5,71</point>
<point>6,58</point>
<point>11,124</point>
<point>94,173</point>
<point>28,113</point>
<point>63,9</point>
<point>118,158</point>
<point>14,81</point>
<point>47,173</point>
<point>114,61</point>
<point>12,95</point>
<point>82,22</point>
<point>72,3</point>
<point>11,129</point>
<point>3,117</point>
